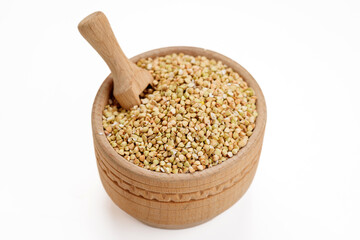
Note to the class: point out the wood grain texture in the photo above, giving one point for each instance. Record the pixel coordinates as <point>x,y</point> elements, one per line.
<point>177,200</point>
<point>129,80</point>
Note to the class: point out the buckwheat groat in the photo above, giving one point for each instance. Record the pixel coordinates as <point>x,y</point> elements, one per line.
<point>198,114</point>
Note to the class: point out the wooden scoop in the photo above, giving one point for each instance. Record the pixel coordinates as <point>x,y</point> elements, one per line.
<point>129,80</point>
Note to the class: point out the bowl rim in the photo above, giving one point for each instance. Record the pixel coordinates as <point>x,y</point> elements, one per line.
<point>133,169</point>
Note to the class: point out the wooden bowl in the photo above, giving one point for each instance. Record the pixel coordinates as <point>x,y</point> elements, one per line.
<point>177,200</point>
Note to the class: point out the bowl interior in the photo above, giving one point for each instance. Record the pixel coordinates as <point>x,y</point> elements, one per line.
<point>105,92</point>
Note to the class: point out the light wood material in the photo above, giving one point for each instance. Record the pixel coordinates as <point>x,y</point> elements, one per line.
<point>177,200</point>
<point>129,80</point>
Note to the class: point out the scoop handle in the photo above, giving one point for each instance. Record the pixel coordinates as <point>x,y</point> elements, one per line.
<point>96,29</point>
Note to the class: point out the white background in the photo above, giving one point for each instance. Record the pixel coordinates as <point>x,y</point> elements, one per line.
<point>304,54</point>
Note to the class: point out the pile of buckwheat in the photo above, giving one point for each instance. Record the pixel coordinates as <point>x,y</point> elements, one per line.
<point>198,114</point>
